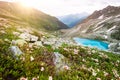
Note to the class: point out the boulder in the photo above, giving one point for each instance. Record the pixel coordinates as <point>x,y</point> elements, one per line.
<point>15,51</point>
<point>114,47</point>
<point>38,43</point>
<point>48,43</point>
<point>28,37</point>
<point>59,62</point>
<point>119,44</point>
<point>118,49</point>
<point>16,33</point>
<point>20,42</point>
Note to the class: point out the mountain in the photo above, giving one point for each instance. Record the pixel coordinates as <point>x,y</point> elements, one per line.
<point>103,24</point>
<point>34,18</point>
<point>72,19</point>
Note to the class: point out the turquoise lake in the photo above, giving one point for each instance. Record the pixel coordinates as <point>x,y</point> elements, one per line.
<point>92,43</point>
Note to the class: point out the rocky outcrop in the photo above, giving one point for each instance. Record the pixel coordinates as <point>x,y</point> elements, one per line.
<point>115,47</point>
<point>15,51</point>
<point>57,42</point>
<point>20,42</point>
<point>60,62</point>
<point>28,37</point>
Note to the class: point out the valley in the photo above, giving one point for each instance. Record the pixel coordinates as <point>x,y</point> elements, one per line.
<point>37,46</point>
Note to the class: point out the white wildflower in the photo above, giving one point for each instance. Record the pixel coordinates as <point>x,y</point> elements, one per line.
<point>65,49</point>
<point>42,63</point>
<point>90,69</point>
<point>42,69</point>
<point>118,61</point>
<point>38,77</point>
<point>93,51</point>
<point>97,63</point>
<point>22,58</point>
<point>96,60</point>
<point>94,73</point>
<point>115,73</point>
<point>31,45</point>
<point>105,73</point>
<point>27,49</point>
<point>50,78</point>
<point>31,58</point>
<point>89,52</point>
<point>103,55</point>
<point>83,60</point>
<point>66,67</point>
<point>98,79</point>
<point>98,70</point>
<point>16,33</point>
<point>34,78</point>
<point>83,67</point>
<point>76,51</point>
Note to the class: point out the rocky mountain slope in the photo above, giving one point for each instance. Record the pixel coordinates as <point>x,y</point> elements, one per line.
<point>103,24</point>
<point>20,14</point>
<point>73,19</point>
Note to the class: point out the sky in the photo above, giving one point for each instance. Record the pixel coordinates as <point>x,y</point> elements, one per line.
<point>65,7</point>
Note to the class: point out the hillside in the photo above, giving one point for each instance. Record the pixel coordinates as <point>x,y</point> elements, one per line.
<point>103,24</point>
<point>73,19</point>
<point>20,14</point>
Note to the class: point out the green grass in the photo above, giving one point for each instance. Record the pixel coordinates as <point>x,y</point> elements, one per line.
<point>85,63</point>
<point>80,64</point>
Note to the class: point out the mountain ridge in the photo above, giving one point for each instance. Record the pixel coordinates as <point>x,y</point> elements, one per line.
<point>102,24</point>
<point>73,19</point>
<point>31,16</point>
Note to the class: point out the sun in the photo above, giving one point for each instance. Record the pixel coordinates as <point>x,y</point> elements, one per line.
<point>26,3</point>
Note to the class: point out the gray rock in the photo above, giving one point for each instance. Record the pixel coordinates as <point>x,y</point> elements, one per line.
<point>20,42</point>
<point>59,62</point>
<point>15,51</point>
<point>38,43</point>
<point>119,44</point>
<point>118,49</point>
<point>28,37</point>
<point>16,33</point>
<point>114,47</point>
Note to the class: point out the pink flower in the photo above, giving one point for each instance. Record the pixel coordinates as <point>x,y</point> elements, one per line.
<point>66,67</point>
<point>105,73</point>
<point>34,78</point>
<point>98,79</point>
<point>23,78</point>
<point>76,51</point>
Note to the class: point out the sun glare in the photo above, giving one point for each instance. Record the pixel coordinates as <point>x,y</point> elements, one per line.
<point>26,3</point>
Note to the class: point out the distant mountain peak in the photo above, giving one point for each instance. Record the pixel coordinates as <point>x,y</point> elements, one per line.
<point>106,12</point>
<point>72,19</point>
